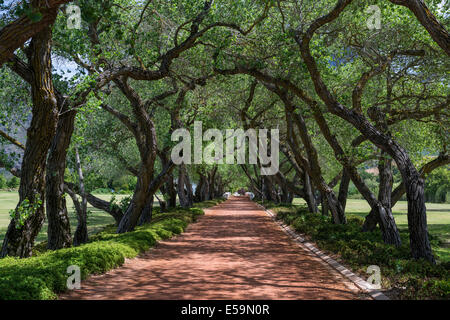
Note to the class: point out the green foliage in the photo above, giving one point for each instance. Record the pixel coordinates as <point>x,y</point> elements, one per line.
<point>123,204</point>
<point>361,249</point>
<point>3,182</point>
<point>44,275</point>
<point>437,185</point>
<point>101,191</point>
<point>26,9</point>
<point>25,210</point>
<point>13,183</point>
<point>94,181</point>
<point>124,182</point>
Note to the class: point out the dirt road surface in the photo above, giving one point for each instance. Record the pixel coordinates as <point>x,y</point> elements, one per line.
<point>235,251</point>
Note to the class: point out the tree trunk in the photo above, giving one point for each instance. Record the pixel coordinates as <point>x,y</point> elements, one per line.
<point>98,203</point>
<point>343,189</point>
<point>220,187</point>
<point>168,189</point>
<point>162,204</point>
<point>212,183</point>
<point>205,190</point>
<point>312,165</point>
<point>417,218</point>
<point>309,194</point>
<point>442,160</point>
<point>82,224</point>
<point>382,209</point>
<point>308,190</point>
<point>188,184</point>
<point>19,239</point>
<point>59,235</point>
<point>81,233</point>
<point>386,220</point>
<point>202,190</point>
<point>147,214</point>
<point>15,34</point>
<point>436,30</point>
<point>324,204</point>
<point>137,205</point>
<point>370,221</point>
<point>144,132</point>
<point>171,192</point>
<point>199,189</point>
<point>286,195</point>
<point>182,192</point>
<point>269,191</point>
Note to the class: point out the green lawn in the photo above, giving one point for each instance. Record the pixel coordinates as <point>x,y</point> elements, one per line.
<point>96,219</point>
<point>438,217</point>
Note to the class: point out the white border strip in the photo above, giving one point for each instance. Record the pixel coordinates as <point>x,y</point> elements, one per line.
<point>358,281</point>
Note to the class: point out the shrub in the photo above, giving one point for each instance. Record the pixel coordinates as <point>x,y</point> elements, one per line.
<point>93,180</point>
<point>123,204</point>
<point>101,191</point>
<point>3,182</point>
<point>13,183</point>
<point>124,182</point>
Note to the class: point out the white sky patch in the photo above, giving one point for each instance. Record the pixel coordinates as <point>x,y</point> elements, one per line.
<point>64,67</point>
<point>441,8</point>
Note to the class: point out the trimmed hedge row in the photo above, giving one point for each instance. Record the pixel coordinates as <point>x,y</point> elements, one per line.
<point>412,279</point>
<point>44,275</point>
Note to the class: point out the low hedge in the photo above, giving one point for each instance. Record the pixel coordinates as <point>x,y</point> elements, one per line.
<point>411,279</point>
<point>44,276</point>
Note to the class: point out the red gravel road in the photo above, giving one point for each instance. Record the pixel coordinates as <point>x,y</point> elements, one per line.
<point>235,251</point>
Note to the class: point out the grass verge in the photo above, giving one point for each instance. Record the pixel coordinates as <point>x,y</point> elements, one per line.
<point>401,276</point>
<point>43,276</point>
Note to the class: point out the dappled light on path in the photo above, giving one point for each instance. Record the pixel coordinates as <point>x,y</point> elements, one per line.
<point>235,251</point>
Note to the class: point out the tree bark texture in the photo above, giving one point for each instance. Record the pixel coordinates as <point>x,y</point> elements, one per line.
<point>19,239</point>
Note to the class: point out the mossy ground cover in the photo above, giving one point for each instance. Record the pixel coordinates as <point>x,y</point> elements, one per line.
<point>402,277</point>
<point>44,275</point>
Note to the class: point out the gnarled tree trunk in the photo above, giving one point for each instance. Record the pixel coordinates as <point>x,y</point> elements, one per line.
<point>171,192</point>
<point>59,235</point>
<point>183,186</point>
<point>343,189</point>
<point>147,214</point>
<point>312,164</point>
<point>15,34</point>
<point>81,233</point>
<point>145,135</point>
<point>19,238</point>
<point>309,193</point>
